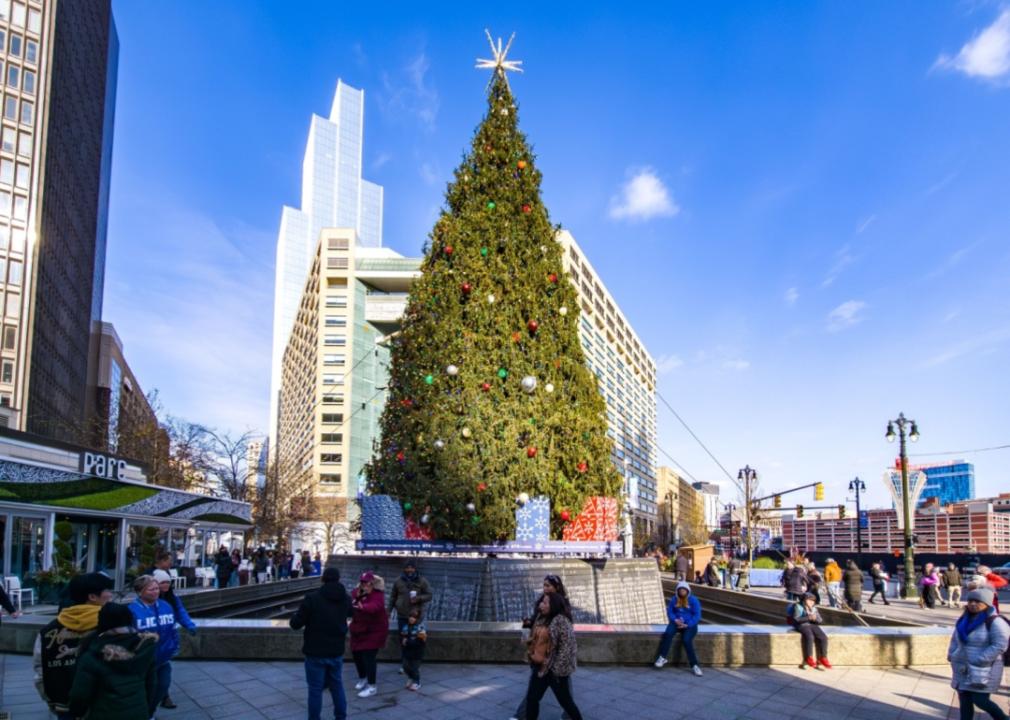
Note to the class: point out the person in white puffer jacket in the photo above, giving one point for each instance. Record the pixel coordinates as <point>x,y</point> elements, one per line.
<point>976,655</point>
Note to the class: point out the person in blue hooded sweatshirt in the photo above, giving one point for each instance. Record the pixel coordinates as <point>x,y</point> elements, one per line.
<point>154,615</point>
<point>684,612</point>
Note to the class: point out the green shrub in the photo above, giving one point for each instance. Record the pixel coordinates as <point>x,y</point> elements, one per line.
<point>767,563</point>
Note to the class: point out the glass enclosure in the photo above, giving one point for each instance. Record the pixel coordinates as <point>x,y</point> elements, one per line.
<point>28,548</point>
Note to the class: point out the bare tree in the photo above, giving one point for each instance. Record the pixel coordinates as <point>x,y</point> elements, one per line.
<point>285,500</point>
<point>693,527</point>
<point>228,462</point>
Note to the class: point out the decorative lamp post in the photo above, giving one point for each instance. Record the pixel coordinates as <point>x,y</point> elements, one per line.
<point>748,475</point>
<point>913,434</point>
<point>629,533</point>
<point>729,512</point>
<point>857,487</point>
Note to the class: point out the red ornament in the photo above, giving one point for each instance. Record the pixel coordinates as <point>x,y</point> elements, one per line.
<point>521,164</point>
<point>448,249</point>
<point>400,456</point>
<point>532,325</point>
<point>466,288</point>
<point>553,277</point>
<point>481,486</point>
<point>516,337</point>
<point>485,386</point>
<point>527,209</point>
<point>406,402</point>
<point>531,452</point>
<point>582,466</point>
<point>565,515</point>
<point>487,147</point>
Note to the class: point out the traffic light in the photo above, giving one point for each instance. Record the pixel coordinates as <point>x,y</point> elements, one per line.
<point>778,501</point>
<point>841,512</point>
<point>799,511</point>
<point>819,491</point>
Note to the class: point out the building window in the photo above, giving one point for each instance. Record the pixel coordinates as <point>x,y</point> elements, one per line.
<point>32,52</point>
<point>27,112</point>
<point>333,399</point>
<point>9,137</point>
<point>7,172</point>
<point>11,108</point>
<point>17,239</point>
<point>5,236</point>
<point>330,478</point>
<point>12,306</point>
<point>15,45</point>
<point>331,458</point>
<point>18,16</point>
<point>336,321</point>
<point>29,84</point>
<point>333,359</point>
<point>336,301</point>
<point>14,276</point>
<point>333,417</point>
<point>35,22</point>
<point>330,438</point>
<point>20,207</point>
<point>10,337</point>
<point>335,340</point>
<point>8,372</point>
<point>22,177</point>
<point>13,76</point>
<point>5,203</point>
<point>24,143</point>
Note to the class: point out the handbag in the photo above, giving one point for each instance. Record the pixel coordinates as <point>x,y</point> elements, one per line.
<point>539,647</point>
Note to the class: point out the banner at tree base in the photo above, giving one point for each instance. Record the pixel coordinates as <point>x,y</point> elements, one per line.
<point>551,547</point>
<point>533,520</point>
<point>596,522</point>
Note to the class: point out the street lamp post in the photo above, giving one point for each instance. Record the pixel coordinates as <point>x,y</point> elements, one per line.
<point>669,517</point>
<point>629,532</point>
<point>858,486</point>
<point>730,508</point>
<point>913,435</point>
<point>749,476</point>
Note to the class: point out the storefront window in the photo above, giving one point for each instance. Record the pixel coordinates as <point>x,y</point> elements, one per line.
<point>106,547</point>
<point>28,548</point>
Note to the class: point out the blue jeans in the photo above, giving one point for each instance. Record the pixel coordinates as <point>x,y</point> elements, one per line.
<point>687,640</point>
<point>163,681</point>
<point>971,700</point>
<point>322,673</point>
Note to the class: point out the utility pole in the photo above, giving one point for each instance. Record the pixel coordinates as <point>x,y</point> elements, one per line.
<point>748,475</point>
<point>858,486</point>
<point>913,435</point>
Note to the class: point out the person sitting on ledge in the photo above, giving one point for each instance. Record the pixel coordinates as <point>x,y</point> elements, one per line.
<point>684,612</point>
<point>807,621</point>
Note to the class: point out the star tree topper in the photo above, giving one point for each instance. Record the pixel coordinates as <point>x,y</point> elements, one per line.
<point>499,64</point>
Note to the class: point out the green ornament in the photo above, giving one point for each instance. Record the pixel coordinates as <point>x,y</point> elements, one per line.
<point>429,379</point>
<point>585,436</point>
<point>533,421</point>
<point>503,373</point>
<point>490,204</point>
<point>408,505</point>
<point>483,252</point>
<point>475,519</point>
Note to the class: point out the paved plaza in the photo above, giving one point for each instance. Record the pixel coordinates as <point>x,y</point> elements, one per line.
<point>276,690</point>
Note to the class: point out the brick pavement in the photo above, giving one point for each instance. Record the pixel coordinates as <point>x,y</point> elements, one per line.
<point>276,690</point>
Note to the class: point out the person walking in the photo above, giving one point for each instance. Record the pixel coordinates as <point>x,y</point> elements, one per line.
<point>975,655</point>
<point>879,578</point>
<point>684,613</point>
<point>682,566</point>
<point>853,580</point>
<point>552,657</point>
<point>369,630</point>
<point>182,617</point>
<point>58,645</point>
<point>743,584</point>
<point>153,614</point>
<point>552,585</point>
<point>814,581</point>
<point>712,578</point>
<point>410,592</point>
<point>807,621</point>
<point>323,614</point>
<point>413,638</point>
<point>833,579</point>
<point>115,677</point>
<point>223,567</point>
<point>929,585</point>
<point>952,579</point>
<point>794,577</point>
<point>734,572</point>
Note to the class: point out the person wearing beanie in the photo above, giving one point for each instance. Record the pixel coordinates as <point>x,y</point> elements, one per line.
<point>323,615</point>
<point>154,615</point>
<point>975,654</point>
<point>182,617</point>
<point>58,644</point>
<point>684,612</point>
<point>807,620</point>
<point>116,677</point>
<point>369,630</point>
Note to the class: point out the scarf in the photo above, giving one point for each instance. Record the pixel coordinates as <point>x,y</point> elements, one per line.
<point>968,623</point>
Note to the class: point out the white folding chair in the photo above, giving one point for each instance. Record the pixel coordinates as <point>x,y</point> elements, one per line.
<point>177,579</point>
<point>17,593</point>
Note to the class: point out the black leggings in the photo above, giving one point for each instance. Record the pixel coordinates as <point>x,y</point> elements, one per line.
<point>971,700</point>
<point>812,634</point>
<point>558,685</point>
<point>364,661</point>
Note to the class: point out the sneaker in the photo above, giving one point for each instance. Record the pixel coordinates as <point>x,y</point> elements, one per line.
<point>660,662</point>
<point>368,691</point>
<point>360,684</point>
<point>415,686</point>
<point>824,661</point>
<point>803,666</point>
<point>811,662</point>
<point>168,703</point>
<point>696,670</point>
<point>399,670</point>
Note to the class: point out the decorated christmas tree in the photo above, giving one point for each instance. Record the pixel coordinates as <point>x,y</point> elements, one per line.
<point>490,401</point>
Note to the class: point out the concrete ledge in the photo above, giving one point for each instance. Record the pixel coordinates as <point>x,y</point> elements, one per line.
<point>718,645</point>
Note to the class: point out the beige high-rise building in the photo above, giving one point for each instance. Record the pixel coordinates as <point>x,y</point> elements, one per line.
<point>333,381</point>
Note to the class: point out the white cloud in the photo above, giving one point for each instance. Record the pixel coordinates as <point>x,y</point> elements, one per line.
<point>642,197</point>
<point>791,296</point>
<point>846,315</point>
<point>667,363</point>
<point>428,173</point>
<point>737,365</point>
<point>866,223</point>
<point>983,343</point>
<point>381,159</point>
<point>986,56</point>
<point>410,93</point>
<point>843,258</point>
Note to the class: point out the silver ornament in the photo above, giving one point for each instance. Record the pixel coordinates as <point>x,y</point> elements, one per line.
<point>466,432</point>
<point>425,519</point>
<point>471,507</point>
<point>529,383</point>
<point>439,444</point>
<point>523,498</point>
<point>490,299</point>
<point>563,310</point>
<point>452,370</point>
<point>549,387</point>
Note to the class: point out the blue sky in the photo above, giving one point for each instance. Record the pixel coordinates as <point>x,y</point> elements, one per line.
<point>801,208</point>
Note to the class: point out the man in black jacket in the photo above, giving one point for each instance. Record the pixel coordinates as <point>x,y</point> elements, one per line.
<point>323,614</point>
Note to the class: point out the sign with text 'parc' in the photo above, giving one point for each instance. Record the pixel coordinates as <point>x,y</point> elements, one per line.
<point>103,466</point>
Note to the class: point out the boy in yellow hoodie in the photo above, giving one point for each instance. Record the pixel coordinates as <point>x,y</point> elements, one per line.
<point>833,579</point>
<point>59,643</point>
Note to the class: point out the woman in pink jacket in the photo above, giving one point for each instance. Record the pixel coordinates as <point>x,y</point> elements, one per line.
<point>369,630</point>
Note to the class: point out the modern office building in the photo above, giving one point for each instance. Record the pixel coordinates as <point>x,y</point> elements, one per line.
<point>626,374</point>
<point>334,195</point>
<point>947,482</point>
<point>978,526</point>
<point>59,61</point>
<point>710,498</point>
<point>333,380</point>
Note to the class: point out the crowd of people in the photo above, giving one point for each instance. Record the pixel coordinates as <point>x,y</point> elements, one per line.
<point>232,569</point>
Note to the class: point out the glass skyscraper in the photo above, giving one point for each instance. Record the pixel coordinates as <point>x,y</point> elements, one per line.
<point>948,482</point>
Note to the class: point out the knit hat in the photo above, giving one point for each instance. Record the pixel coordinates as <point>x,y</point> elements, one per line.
<point>161,576</point>
<point>983,595</point>
<point>331,574</point>
<point>367,576</point>
<point>113,615</point>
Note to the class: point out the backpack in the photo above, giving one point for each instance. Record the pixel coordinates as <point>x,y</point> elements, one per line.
<point>790,620</point>
<point>988,626</point>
